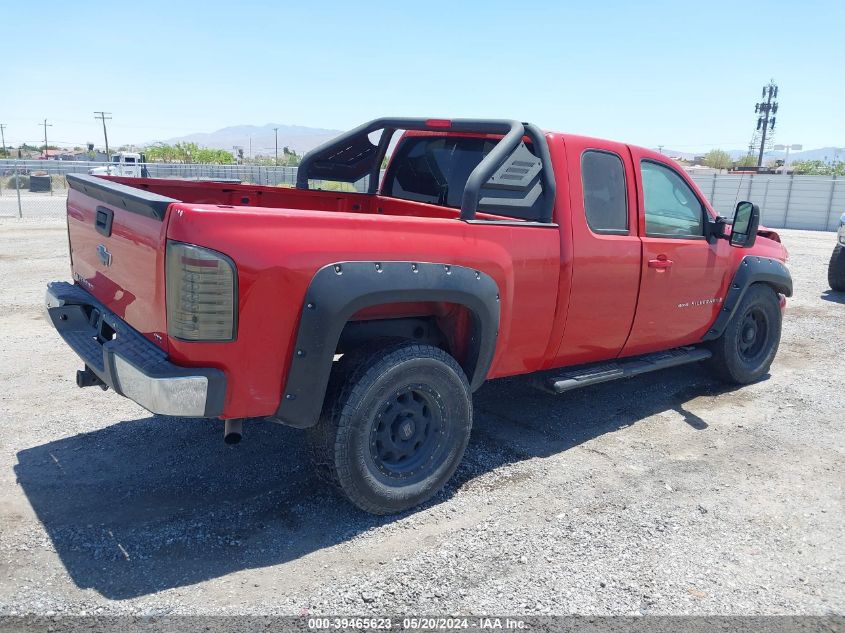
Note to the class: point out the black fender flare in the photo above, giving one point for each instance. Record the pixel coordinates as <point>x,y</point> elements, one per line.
<point>752,269</point>
<point>339,290</point>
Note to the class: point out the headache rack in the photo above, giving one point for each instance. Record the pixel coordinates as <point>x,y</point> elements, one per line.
<point>511,179</point>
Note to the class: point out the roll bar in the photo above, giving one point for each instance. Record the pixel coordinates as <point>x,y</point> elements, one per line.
<point>351,156</point>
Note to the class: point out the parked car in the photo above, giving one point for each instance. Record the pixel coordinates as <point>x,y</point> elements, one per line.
<point>488,249</point>
<point>836,267</point>
<point>130,164</point>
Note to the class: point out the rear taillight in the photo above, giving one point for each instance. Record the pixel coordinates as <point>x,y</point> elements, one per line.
<point>200,293</point>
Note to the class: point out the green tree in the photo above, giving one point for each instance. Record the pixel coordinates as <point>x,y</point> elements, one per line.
<point>217,156</point>
<point>747,161</point>
<point>818,168</point>
<point>187,153</point>
<point>288,158</point>
<point>160,153</point>
<point>718,159</point>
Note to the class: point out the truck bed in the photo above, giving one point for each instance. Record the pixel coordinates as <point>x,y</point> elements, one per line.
<point>229,194</point>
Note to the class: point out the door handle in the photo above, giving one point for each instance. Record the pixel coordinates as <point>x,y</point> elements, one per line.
<point>661,263</point>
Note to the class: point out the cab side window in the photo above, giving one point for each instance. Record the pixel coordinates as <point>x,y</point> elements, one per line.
<point>605,196</point>
<point>671,207</point>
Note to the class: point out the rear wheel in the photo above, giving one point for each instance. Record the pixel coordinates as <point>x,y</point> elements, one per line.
<point>395,428</point>
<point>836,269</point>
<point>747,347</point>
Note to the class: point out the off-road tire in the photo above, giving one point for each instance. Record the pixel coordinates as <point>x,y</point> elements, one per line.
<point>836,269</point>
<point>745,350</point>
<point>379,407</point>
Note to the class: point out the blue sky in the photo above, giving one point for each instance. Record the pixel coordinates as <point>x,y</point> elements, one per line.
<point>681,74</point>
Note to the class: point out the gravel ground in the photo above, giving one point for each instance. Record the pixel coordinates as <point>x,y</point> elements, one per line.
<point>663,494</point>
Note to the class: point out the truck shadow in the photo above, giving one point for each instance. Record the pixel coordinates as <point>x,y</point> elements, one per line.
<point>155,503</point>
<point>833,296</point>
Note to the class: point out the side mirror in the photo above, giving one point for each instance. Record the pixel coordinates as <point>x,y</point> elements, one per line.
<point>744,226</point>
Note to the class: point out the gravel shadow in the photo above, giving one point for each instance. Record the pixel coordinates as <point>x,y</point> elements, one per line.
<point>155,503</point>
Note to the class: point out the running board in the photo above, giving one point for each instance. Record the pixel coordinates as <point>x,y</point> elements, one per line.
<point>586,375</point>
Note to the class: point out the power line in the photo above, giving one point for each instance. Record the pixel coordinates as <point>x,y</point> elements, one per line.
<point>46,125</point>
<point>276,131</point>
<point>102,116</point>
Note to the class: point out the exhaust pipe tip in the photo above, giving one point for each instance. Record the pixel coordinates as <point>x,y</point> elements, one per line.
<point>233,431</point>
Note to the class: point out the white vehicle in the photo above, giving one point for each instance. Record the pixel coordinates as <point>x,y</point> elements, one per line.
<point>123,164</point>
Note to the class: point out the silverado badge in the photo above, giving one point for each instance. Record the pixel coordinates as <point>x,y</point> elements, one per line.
<point>103,254</point>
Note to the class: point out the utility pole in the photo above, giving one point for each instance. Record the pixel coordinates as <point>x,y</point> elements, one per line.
<point>276,130</point>
<point>660,148</point>
<point>46,125</point>
<point>3,136</point>
<point>102,116</point>
<point>766,119</point>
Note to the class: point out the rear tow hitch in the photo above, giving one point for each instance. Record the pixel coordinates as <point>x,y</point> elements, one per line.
<point>87,378</point>
<point>233,430</point>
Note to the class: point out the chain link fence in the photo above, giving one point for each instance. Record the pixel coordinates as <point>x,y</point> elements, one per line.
<point>256,174</point>
<point>38,189</point>
<point>23,195</point>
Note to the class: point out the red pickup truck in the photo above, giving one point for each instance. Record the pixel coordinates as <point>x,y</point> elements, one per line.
<point>489,248</point>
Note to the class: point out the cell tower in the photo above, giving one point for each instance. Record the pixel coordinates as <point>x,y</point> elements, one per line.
<point>766,111</point>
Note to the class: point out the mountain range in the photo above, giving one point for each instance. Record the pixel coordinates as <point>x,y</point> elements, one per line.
<point>823,153</point>
<point>261,138</point>
<point>300,138</point>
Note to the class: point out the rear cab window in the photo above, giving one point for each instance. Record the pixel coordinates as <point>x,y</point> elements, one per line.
<point>605,192</point>
<point>435,169</point>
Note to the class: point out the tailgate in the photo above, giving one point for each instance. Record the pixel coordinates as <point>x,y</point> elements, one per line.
<point>117,247</point>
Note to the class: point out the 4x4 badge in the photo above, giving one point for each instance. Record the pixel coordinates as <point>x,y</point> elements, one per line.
<point>103,254</point>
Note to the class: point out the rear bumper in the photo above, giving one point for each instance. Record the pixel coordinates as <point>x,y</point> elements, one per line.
<point>127,362</point>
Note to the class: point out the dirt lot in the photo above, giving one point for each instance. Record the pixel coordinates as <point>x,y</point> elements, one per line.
<point>663,494</point>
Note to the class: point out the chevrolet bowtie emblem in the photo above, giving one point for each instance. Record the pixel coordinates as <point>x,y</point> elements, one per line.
<point>103,254</point>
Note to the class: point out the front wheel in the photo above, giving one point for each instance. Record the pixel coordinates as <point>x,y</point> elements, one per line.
<point>745,350</point>
<point>396,429</point>
<point>836,269</point>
